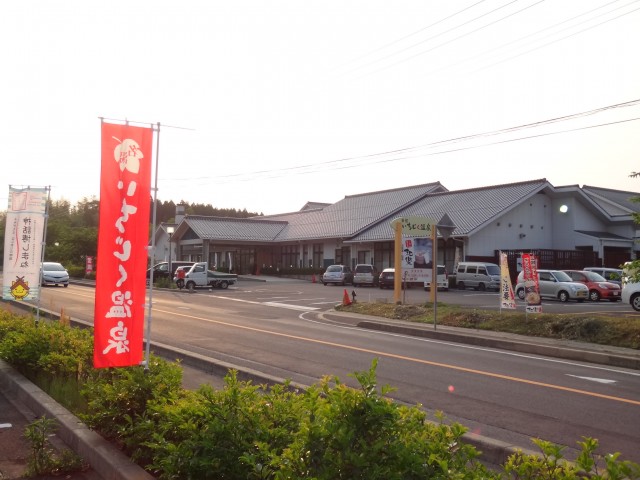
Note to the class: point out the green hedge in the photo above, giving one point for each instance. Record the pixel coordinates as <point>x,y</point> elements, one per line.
<point>330,431</point>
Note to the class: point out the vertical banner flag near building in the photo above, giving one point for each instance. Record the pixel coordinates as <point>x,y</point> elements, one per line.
<point>123,236</point>
<point>23,237</point>
<point>531,284</point>
<point>507,298</point>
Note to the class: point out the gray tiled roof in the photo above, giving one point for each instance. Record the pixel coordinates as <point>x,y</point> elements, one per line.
<point>350,215</point>
<point>367,216</point>
<point>468,209</point>
<point>613,202</point>
<point>226,228</point>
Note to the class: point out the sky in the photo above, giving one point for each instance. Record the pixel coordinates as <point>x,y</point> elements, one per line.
<point>267,105</point>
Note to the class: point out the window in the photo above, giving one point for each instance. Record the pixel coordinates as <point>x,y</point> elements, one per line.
<point>290,255</point>
<point>471,269</point>
<point>318,254</point>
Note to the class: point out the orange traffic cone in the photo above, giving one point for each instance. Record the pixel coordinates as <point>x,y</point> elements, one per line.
<point>345,298</point>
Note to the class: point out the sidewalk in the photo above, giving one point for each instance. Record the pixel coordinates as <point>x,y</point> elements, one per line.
<point>109,463</point>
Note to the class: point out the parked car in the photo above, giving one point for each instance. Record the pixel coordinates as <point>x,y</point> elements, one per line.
<point>365,274</point>
<point>54,273</point>
<point>597,285</point>
<point>613,275</point>
<point>387,279</point>
<point>478,275</point>
<point>443,279</point>
<point>555,284</point>
<point>631,294</point>
<point>340,274</point>
<point>161,269</point>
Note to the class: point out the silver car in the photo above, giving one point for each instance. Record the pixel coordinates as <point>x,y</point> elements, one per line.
<point>340,274</point>
<point>365,274</point>
<point>555,284</point>
<point>54,273</point>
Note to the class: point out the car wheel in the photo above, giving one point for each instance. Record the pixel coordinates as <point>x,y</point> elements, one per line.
<point>461,286</point>
<point>355,285</point>
<point>191,286</point>
<point>594,296</point>
<point>563,296</point>
<point>224,285</point>
<point>520,293</point>
<point>324,283</point>
<point>635,302</point>
<point>66,285</point>
<point>482,287</point>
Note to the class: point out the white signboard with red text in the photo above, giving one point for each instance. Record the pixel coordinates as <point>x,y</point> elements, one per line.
<point>123,236</point>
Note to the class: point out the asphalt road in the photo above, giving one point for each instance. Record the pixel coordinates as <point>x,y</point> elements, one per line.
<point>284,329</point>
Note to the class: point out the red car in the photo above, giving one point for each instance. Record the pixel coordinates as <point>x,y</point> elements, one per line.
<point>597,285</point>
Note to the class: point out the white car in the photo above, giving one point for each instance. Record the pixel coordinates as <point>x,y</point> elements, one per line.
<point>54,273</point>
<point>555,284</point>
<point>631,295</point>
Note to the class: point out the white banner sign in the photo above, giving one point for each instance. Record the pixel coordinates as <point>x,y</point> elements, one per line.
<point>23,238</point>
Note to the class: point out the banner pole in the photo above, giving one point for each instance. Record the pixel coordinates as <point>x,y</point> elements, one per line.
<point>397,259</point>
<point>153,253</point>
<point>44,246</point>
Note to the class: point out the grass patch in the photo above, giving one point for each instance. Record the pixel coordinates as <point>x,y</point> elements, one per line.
<point>601,329</point>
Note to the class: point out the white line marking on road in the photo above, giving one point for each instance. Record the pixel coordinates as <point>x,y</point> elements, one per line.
<point>593,379</point>
<point>291,307</point>
<point>5,425</point>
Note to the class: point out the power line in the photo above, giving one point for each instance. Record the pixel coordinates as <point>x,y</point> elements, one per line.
<point>505,45</point>
<point>559,39</point>
<point>459,36</point>
<point>415,33</point>
<point>370,158</point>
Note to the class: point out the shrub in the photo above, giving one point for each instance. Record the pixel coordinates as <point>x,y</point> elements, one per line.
<point>330,431</point>
<point>117,398</point>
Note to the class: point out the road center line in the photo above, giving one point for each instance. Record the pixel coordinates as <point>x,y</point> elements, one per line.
<point>411,359</point>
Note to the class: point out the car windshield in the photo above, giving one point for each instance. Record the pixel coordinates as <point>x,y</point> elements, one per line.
<point>594,277</point>
<point>364,269</point>
<point>53,267</point>
<point>562,277</point>
<point>493,270</point>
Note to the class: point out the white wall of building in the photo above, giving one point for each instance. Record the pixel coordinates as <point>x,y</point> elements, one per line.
<point>527,226</point>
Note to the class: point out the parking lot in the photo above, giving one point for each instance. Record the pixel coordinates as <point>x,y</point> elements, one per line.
<point>302,294</point>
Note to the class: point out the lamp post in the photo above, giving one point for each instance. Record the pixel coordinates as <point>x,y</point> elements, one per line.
<point>446,227</point>
<point>170,231</point>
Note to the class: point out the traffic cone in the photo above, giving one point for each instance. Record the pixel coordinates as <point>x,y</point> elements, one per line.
<point>313,278</point>
<point>345,298</point>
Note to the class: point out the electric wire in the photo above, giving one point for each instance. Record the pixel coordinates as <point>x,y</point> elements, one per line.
<point>557,40</point>
<point>370,159</point>
<point>521,39</point>
<point>383,47</point>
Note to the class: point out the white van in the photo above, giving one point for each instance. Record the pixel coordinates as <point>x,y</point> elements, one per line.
<point>443,280</point>
<point>613,275</point>
<point>478,275</point>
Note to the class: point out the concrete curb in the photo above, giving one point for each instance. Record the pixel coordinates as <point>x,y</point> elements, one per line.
<point>109,462</point>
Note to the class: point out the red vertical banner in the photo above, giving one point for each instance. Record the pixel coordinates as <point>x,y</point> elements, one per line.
<point>123,236</point>
<point>531,284</point>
